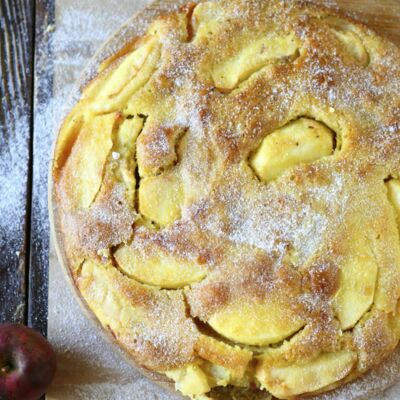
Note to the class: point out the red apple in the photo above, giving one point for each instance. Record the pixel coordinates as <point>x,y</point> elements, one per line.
<point>27,363</point>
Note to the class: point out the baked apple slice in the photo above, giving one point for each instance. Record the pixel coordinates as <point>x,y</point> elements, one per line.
<point>159,269</point>
<point>302,141</point>
<point>358,273</point>
<point>116,84</point>
<point>83,171</point>
<point>256,323</point>
<point>305,377</point>
<point>253,55</point>
<point>161,198</point>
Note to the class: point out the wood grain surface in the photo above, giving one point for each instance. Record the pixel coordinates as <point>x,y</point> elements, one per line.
<point>16,51</point>
<point>41,151</point>
<point>24,232</point>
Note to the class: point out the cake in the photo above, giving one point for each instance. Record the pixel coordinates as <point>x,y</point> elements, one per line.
<point>227,191</point>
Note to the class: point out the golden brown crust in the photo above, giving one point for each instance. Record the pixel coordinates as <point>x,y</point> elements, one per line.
<point>268,278</point>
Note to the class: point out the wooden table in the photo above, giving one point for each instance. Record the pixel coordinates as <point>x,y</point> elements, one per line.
<point>24,238</point>
<point>26,79</point>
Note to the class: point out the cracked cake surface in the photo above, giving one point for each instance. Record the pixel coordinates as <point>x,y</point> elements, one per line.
<point>228,195</point>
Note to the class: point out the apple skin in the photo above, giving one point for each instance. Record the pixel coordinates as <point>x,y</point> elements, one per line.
<point>27,363</point>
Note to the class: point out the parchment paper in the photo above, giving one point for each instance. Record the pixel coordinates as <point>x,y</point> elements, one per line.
<point>88,367</point>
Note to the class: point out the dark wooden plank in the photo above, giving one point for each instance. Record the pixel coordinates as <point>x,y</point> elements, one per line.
<point>42,140</point>
<point>16,39</point>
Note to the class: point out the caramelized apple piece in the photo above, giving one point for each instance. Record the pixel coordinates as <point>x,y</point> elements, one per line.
<point>159,269</point>
<point>393,187</point>
<point>353,45</point>
<point>112,309</point>
<point>252,56</point>
<point>160,198</point>
<point>358,272</point>
<point>83,172</point>
<point>349,38</point>
<point>190,380</point>
<point>67,137</point>
<point>232,358</point>
<point>256,323</point>
<point>301,141</point>
<point>206,18</point>
<point>113,88</point>
<point>306,377</point>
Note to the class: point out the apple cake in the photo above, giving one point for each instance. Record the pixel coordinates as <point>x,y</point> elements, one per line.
<point>228,195</point>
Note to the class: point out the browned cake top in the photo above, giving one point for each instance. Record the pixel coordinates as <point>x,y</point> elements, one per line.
<point>228,196</point>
